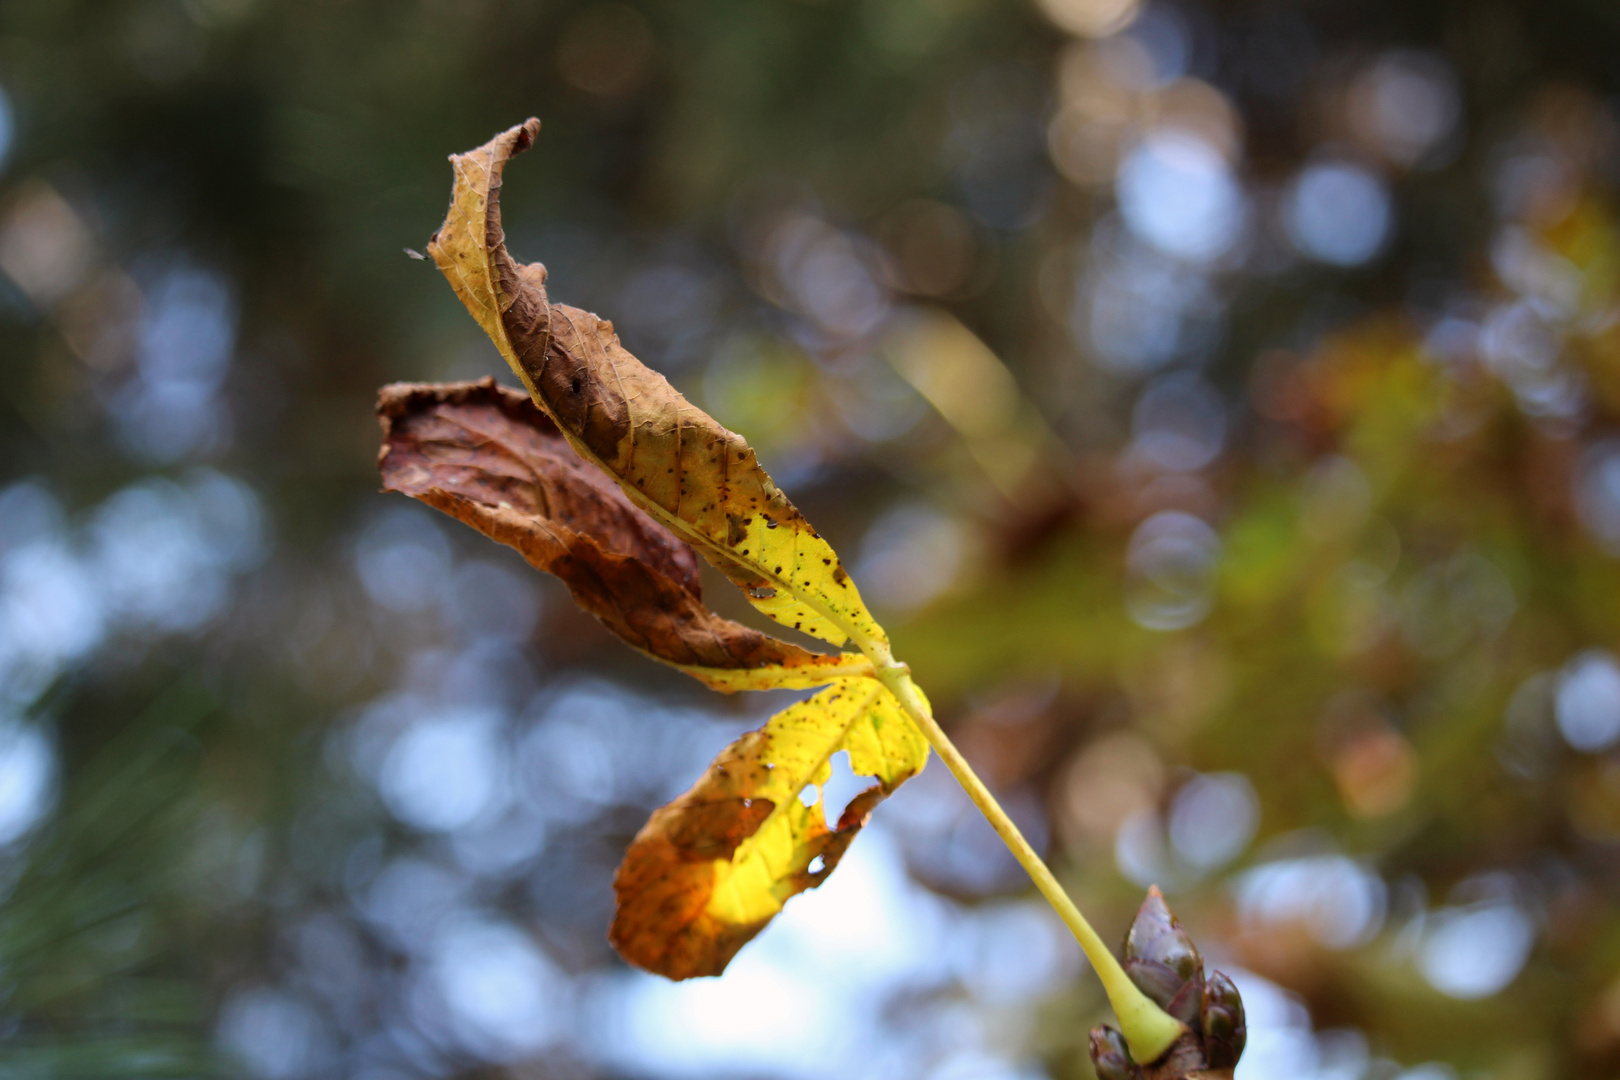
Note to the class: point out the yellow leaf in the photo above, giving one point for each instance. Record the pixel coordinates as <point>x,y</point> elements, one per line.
<point>709,870</point>
<point>674,460</point>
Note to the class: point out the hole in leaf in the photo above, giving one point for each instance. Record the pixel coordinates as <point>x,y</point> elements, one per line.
<point>809,795</point>
<point>817,865</point>
<point>842,786</point>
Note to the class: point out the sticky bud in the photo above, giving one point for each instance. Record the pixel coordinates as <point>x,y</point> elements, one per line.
<point>1110,1056</point>
<point>1225,1031</point>
<point>1165,965</point>
<point>1163,961</point>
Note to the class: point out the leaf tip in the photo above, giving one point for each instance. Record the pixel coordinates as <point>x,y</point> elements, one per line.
<point>528,131</point>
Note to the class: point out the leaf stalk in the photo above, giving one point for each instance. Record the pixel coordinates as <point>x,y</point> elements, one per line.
<point>1148,1029</point>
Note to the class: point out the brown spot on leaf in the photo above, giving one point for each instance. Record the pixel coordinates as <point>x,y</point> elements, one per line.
<point>713,830</point>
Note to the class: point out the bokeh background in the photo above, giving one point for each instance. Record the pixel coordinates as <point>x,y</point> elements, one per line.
<point>1217,399</point>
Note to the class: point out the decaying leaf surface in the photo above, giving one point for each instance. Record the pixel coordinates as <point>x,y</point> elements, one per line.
<point>487,456</point>
<point>709,870</point>
<point>673,459</point>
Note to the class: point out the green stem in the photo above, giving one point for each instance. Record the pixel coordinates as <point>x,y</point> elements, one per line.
<point>1148,1029</point>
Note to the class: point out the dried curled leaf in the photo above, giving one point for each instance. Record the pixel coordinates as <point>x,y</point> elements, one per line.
<point>488,457</point>
<point>671,458</point>
<point>709,870</point>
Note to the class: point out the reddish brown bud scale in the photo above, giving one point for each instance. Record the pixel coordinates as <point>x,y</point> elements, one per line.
<point>1162,960</point>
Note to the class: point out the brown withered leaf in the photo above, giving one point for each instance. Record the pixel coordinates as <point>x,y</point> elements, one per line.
<point>673,460</point>
<point>711,869</point>
<point>485,455</point>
